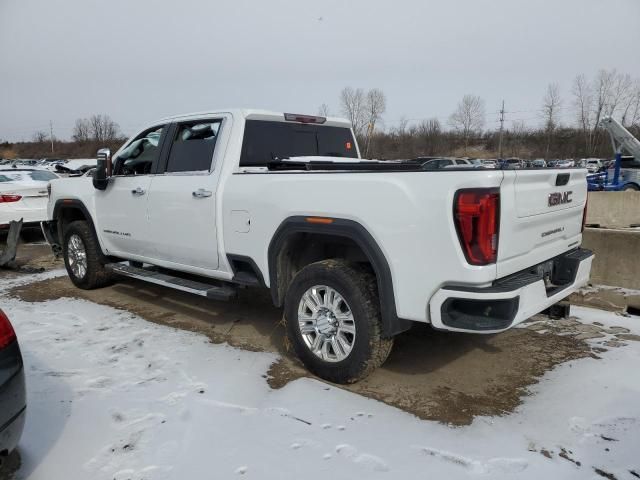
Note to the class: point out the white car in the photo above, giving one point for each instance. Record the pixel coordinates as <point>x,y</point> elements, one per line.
<point>23,195</point>
<point>593,165</point>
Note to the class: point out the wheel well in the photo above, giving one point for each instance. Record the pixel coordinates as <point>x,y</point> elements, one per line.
<point>303,248</point>
<point>65,216</point>
<point>298,242</point>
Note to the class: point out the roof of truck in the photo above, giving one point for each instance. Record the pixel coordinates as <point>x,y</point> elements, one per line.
<point>255,114</point>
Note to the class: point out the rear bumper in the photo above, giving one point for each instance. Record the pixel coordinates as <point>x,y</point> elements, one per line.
<point>510,300</point>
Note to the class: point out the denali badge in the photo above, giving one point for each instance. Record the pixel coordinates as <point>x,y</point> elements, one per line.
<point>559,198</point>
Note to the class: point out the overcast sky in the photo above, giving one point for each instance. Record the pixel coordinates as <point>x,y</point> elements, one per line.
<point>138,60</point>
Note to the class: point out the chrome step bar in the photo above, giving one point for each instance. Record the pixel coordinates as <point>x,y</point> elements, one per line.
<point>215,292</point>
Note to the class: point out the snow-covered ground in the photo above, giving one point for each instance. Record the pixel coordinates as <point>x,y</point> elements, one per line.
<point>112,396</point>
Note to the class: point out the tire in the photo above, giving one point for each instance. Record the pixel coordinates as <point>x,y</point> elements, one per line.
<point>630,187</point>
<point>357,310</point>
<point>79,238</point>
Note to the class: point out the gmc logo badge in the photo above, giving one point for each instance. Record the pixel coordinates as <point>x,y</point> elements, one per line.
<point>559,198</point>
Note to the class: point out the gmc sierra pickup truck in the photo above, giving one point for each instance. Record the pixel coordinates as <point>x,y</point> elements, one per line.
<point>354,250</point>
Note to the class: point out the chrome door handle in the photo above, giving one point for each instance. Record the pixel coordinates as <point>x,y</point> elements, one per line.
<point>202,193</point>
<point>137,191</point>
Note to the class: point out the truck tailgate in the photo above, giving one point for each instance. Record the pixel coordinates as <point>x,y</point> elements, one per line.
<point>541,216</point>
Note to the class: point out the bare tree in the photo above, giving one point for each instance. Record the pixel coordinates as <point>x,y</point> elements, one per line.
<point>81,130</point>
<point>468,117</point>
<point>103,129</point>
<point>430,133</point>
<point>582,103</point>
<point>550,109</point>
<point>375,106</point>
<point>631,108</point>
<point>353,104</point>
<point>40,137</point>
<point>323,111</point>
<point>518,133</point>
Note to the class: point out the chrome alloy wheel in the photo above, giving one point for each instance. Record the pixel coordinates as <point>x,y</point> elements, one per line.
<point>77,255</point>
<point>326,323</point>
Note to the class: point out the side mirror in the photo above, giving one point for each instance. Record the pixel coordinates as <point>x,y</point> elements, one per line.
<point>103,169</point>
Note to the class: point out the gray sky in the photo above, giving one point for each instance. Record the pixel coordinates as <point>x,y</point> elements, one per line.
<point>138,60</point>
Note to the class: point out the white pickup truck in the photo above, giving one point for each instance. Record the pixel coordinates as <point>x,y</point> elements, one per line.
<point>354,250</point>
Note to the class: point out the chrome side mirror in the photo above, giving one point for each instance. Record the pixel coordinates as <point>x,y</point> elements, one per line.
<point>103,169</point>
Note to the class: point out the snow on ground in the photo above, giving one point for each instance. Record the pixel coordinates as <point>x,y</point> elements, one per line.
<point>111,396</point>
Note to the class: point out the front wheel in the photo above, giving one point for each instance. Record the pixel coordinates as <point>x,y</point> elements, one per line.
<point>630,187</point>
<point>332,314</point>
<point>83,258</point>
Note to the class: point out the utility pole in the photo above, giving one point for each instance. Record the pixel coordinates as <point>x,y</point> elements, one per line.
<point>51,134</point>
<point>501,131</point>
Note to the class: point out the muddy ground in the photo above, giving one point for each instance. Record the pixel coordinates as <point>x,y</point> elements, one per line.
<point>438,376</point>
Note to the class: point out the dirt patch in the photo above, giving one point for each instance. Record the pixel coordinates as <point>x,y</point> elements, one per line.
<point>439,376</point>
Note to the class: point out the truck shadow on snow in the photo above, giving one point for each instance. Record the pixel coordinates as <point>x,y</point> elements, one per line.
<point>447,377</point>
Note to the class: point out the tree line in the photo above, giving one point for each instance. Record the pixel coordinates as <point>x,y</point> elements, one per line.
<point>609,92</point>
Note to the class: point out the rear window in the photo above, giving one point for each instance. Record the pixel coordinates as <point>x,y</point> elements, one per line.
<point>267,141</point>
<point>36,175</point>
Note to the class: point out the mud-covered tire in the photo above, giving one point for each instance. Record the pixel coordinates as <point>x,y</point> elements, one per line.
<point>95,275</point>
<point>357,286</point>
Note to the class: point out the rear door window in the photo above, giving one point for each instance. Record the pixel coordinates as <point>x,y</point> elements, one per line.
<point>266,141</point>
<point>193,146</point>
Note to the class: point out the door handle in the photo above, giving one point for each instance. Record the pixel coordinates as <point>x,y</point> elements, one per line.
<point>202,193</point>
<point>137,191</point>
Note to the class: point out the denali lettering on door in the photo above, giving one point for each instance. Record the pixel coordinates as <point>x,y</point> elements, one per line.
<point>559,198</point>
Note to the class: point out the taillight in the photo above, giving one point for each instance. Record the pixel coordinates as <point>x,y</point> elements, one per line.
<point>10,198</point>
<point>476,214</point>
<point>7,335</point>
<point>584,214</point>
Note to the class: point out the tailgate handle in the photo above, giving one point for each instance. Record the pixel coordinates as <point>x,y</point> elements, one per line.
<point>562,179</point>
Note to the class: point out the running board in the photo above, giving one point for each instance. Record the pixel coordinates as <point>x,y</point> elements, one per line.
<point>215,292</point>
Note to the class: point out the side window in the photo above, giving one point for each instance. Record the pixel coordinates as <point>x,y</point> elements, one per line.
<point>140,155</point>
<point>193,145</point>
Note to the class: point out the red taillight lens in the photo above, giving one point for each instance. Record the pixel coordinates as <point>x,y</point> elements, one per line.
<point>10,198</point>
<point>7,335</point>
<point>477,218</point>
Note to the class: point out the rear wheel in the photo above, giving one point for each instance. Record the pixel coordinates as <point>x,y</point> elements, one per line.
<point>83,258</point>
<point>630,187</point>
<point>333,321</point>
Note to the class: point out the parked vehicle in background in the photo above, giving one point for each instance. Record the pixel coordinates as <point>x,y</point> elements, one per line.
<point>593,165</point>
<point>213,202</point>
<point>564,164</point>
<point>23,195</point>
<point>511,163</point>
<point>438,163</point>
<point>489,163</point>
<point>13,397</point>
<point>538,163</point>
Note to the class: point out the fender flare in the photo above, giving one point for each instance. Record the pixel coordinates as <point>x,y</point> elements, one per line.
<point>72,204</point>
<point>353,230</point>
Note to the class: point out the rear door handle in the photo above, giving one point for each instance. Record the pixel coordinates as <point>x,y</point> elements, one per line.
<point>137,191</point>
<point>202,193</point>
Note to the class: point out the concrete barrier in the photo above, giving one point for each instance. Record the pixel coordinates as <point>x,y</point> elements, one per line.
<point>613,209</point>
<point>617,261</point>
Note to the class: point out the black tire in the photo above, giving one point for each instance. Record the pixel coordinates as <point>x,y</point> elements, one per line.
<point>630,187</point>
<point>95,276</point>
<point>358,288</point>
